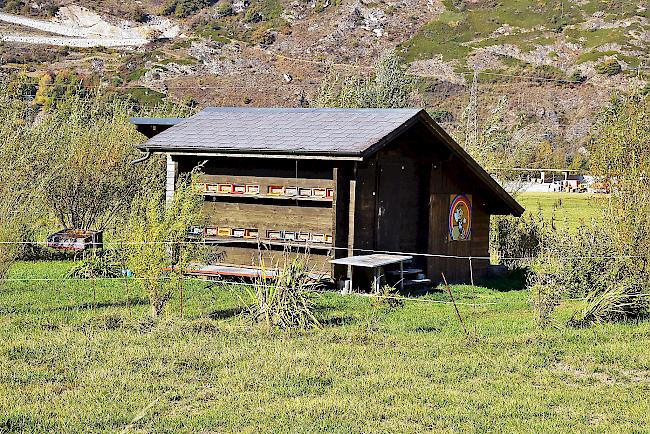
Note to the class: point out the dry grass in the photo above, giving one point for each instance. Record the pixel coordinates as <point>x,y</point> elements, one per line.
<point>62,369</point>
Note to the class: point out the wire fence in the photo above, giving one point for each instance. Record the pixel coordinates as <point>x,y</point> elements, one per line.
<point>315,246</point>
<point>212,281</point>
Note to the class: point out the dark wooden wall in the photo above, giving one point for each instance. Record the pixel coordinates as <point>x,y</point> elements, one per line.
<point>395,200</point>
<point>402,205</point>
<point>329,217</point>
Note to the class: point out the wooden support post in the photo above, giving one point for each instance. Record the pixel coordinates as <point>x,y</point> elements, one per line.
<point>471,272</point>
<point>401,276</point>
<point>340,210</point>
<point>351,213</point>
<point>170,182</point>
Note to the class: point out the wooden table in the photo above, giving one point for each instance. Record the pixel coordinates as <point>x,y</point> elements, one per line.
<point>375,261</point>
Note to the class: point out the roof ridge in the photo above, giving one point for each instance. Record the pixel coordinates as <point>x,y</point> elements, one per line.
<point>310,109</point>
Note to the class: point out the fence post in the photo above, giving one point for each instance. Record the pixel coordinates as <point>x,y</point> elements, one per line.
<point>94,284</point>
<point>453,300</point>
<point>471,272</point>
<point>181,293</point>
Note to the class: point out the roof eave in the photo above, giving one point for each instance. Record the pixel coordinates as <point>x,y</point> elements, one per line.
<point>391,136</point>
<point>236,153</point>
<point>514,207</point>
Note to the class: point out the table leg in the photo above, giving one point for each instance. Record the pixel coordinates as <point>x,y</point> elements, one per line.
<point>376,280</point>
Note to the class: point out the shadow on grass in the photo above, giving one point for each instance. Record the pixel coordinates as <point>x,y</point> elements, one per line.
<point>103,305</point>
<point>504,281</point>
<point>225,313</point>
<point>337,321</point>
<point>511,280</point>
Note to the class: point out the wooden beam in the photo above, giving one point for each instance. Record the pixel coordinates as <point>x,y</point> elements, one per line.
<point>351,214</point>
<point>170,182</point>
<point>260,155</point>
<point>340,217</point>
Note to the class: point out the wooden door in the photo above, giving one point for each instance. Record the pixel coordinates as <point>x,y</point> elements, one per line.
<point>402,208</point>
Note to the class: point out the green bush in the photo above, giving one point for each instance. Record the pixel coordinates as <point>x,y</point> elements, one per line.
<point>158,252</point>
<point>576,77</point>
<point>185,8</point>
<point>646,89</point>
<point>98,263</point>
<point>606,261</point>
<point>389,87</point>
<point>225,9</point>
<point>442,115</point>
<point>609,67</point>
<point>253,15</point>
<point>517,242</point>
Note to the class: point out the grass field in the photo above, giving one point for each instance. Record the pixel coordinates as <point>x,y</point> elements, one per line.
<point>66,367</point>
<point>569,209</point>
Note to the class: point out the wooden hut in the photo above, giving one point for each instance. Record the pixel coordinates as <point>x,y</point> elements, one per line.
<point>339,182</point>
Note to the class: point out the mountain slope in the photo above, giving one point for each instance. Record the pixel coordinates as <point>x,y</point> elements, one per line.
<point>550,65</point>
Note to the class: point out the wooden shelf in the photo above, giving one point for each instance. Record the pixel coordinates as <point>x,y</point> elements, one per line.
<point>236,240</point>
<point>268,196</point>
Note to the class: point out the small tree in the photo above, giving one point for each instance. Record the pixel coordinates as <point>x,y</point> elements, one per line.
<point>89,152</point>
<point>388,87</point>
<point>18,181</point>
<point>159,253</point>
<point>607,261</point>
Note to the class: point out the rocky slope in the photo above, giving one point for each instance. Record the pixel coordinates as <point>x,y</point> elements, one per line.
<point>550,64</point>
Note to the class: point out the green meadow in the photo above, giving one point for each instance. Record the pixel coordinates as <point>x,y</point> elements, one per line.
<point>569,210</point>
<point>78,356</point>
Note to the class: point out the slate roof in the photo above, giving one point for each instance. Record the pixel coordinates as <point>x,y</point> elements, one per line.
<point>327,132</point>
<point>338,132</point>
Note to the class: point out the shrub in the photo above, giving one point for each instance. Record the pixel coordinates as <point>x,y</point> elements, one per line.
<point>262,36</point>
<point>389,87</point>
<point>576,77</point>
<point>158,252</point>
<point>184,8</point>
<point>518,241</point>
<point>94,181</point>
<point>224,9</point>
<point>606,261</point>
<point>283,295</point>
<point>609,67</point>
<point>646,89</point>
<point>98,263</point>
<point>442,116</point>
<point>253,15</point>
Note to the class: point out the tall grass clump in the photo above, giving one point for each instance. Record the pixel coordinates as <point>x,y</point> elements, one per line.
<point>283,295</point>
<point>587,264</point>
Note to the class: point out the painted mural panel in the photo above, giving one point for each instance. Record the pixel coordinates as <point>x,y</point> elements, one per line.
<point>460,217</point>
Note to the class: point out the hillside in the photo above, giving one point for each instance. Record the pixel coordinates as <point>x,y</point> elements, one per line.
<point>550,64</point>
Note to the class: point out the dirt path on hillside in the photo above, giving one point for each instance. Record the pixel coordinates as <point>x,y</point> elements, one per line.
<point>76,26</point>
